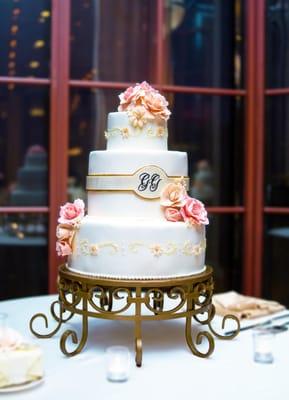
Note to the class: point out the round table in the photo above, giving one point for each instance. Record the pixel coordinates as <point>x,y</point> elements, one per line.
<point>169,370</point>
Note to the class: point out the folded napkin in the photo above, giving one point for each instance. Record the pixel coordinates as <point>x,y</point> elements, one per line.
<point>244,307</point>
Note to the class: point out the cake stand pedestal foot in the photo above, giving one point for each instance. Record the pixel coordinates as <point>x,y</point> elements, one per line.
<point>137,330</point>
<point>138,352</point>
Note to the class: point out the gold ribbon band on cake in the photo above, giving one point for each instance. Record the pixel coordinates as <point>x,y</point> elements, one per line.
<point>146,182</point>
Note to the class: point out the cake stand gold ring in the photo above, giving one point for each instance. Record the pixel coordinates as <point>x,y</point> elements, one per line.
<point>136,300</point>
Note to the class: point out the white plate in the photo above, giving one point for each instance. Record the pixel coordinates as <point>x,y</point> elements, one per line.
<point>23,386</point>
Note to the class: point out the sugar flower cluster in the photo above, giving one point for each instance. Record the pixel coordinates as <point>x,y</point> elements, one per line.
<point>178,206</point>
<point>69,219</point>
<point>143,103</point>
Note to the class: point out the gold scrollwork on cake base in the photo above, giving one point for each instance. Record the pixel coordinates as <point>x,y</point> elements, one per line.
<point>126,132</point>
<point>135,300</point>
<point>188,248</point>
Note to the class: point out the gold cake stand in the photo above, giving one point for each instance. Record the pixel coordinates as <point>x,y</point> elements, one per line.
<point>135,300</point>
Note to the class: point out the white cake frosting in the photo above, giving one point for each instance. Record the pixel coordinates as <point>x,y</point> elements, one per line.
<point>127,162</point>
<point>130,231</point>
<point>131,247</point>
<point>121,135</point>
<point>19,362</point>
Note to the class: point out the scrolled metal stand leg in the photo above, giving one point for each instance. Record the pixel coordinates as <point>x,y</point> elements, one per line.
<point>59,319</point>
<point>199,338</point>
<point>74,338</point>
<point>137,332</point>
<point>225,318</point>
<point>73,334</point>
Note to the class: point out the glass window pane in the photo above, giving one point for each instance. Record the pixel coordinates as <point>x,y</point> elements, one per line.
<point>23,254</point>
<point>89,109</point>
<point>277,150</point>
<point>225,250</point>
<point>205,43</point>
<point>277,45</point>
<point>24,127</point>
<point>25,38</point>
<point>113,40</point>
<point>276,258</point>
<point>209,128</point>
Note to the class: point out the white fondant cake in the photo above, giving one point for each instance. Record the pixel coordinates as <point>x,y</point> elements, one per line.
<point>140,221</point>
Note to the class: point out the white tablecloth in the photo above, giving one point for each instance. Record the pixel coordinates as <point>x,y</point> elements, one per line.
<point>169,369</point>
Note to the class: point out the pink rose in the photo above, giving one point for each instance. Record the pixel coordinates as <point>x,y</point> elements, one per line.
<point>71,213</point>
<point>125,98</point>
<point>173,214</point>
<point>63,249</point>
<point>146,86</point>
<point>194,212</point>
<point>173,195</point>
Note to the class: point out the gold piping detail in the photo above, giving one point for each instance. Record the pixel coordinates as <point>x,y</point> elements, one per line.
<point>139,169</point>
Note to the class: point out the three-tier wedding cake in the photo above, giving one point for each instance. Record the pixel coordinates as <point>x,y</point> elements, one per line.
<point>140,222</point>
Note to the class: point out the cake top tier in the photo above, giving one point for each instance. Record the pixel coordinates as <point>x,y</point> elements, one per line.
<point>141,120</point>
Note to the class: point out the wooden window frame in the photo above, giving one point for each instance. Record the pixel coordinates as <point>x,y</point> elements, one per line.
<point>254,135</point>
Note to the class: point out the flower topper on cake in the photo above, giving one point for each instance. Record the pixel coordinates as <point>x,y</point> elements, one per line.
<point>143,103</point>
<point>178,206</point>
<point>69,219</point>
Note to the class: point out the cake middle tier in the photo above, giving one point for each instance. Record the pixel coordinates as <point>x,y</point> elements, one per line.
<point>128,184</point>
<point>136,248</point>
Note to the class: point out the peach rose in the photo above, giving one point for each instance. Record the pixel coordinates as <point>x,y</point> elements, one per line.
<point>173,195</point>
<point>156,104</point>
<point>64,232</point>
<point>194,212</point>
<point>173,214</point>
<point>71,213</point>
<point>133,95</point>
<point>142,94</point>
<point>63,249</point>
<point>139,116</point>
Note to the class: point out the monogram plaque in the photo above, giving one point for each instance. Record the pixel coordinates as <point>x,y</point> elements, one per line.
<point>146,182</point>
<point>150,181</point>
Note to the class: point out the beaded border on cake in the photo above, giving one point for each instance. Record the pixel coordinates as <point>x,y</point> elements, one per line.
<point>133,277</point>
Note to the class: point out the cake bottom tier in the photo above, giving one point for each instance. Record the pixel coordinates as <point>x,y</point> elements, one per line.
<point>137,249</point>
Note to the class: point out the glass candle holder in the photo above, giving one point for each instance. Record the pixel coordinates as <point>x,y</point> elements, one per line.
<point>263,345</point>
<point>118,363</point>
